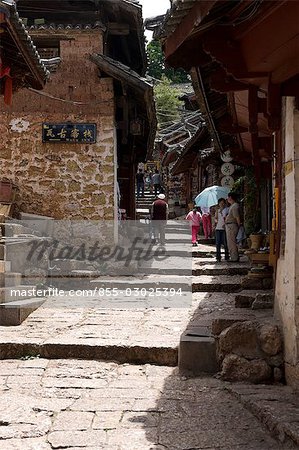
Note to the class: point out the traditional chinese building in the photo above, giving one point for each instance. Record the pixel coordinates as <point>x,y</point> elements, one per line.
<point>20,64</point>
<point>73,147</point>
<point>244,61</point>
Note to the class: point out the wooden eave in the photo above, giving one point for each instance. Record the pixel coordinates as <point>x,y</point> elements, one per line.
<point>140,88</point>
<point>191,151</point>
<point>16,41</point>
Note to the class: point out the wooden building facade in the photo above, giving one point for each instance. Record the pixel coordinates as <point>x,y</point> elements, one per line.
<point>244,60</point>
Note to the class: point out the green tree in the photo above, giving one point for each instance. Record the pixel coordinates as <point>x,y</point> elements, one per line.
<point>156,65</point>
<point>167,102</point>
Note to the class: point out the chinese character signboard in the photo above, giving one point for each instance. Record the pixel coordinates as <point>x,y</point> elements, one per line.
<point>81,133</point>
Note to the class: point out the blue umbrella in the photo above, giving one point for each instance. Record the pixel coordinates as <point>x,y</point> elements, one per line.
<point>210,196</point>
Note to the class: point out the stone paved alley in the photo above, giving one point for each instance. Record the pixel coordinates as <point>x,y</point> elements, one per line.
<point>93,405</point>
<point>52,400</point>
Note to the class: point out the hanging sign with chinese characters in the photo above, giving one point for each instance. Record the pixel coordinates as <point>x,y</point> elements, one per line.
<point>227,169</point>
<point>73,133</point>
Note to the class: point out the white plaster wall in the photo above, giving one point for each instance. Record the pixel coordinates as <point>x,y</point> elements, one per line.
<point>287,279</point>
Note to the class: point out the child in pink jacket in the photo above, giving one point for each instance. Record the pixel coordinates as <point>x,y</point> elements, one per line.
<point>194,218</point>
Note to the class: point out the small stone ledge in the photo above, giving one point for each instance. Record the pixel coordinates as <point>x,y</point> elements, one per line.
<point>277,408</point>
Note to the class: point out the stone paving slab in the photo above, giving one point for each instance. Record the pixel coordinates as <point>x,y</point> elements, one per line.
<point>97,405</point>
<point>276,407</point>
<point>57,330</point>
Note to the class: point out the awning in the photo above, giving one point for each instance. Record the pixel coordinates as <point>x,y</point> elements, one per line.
<point>140,87</point>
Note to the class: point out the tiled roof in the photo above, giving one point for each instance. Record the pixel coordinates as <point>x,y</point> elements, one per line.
<point>173,17</point>
<point>17,29</point>
<point>60,26</point>
<point>141,87</point>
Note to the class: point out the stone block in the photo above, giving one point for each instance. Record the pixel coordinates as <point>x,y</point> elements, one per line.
<point>219,325</point>
<point>244,301</point>
<point>242,339</point>
<point>236,368</point>
<point>263,301</point>
<point>252,283</point>
<point>18,311</point>
<point>270,339</point>
<point>197,352</point>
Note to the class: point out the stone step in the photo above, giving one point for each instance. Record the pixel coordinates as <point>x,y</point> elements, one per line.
<point>255,299</point>
<point>14,313</point>
<point>8,279</point>
<point>14,229</point>
<point>144,205</point>
<point>13,293</point>
<point>66,266</point>
<point>203,241</point>
<point>207,283</point>
<point>137,354</point>
<point>219,270</point>
<point>197,352</point>
<point>146,282</point>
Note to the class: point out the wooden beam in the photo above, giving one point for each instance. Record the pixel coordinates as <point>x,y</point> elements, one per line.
<point>253,129</point>
<point>220,44</point>
<point>118,29</point>
<point>262,105</point>
<point>185,28</point>
<point>220,81</point>
<point>125,132</point>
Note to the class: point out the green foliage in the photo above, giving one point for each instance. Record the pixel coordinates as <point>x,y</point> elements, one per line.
<point>247,187</point>
<point>156,65</point>
<point>167,102</point>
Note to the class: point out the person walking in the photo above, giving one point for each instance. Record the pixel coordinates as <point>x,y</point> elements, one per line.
<point>156,181</point>
<point>149,181</point>
<point>140,183</point>
<point>206,221</point>
<point>220,215</point>
<point>232,224</point>
<point>194,218</point>
<point>159,218</point>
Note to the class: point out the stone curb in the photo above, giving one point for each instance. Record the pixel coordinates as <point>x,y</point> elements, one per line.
<point>166,356</point>
<point>276,407</point>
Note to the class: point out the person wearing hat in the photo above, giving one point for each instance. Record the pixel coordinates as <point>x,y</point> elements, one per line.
<point>159,218</point>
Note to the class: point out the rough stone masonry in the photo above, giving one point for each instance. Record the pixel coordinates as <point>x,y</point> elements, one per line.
<point>58,179</point>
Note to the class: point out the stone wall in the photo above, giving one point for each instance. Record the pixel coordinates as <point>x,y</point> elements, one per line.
<point>58,179</point>
<point>287,276</point>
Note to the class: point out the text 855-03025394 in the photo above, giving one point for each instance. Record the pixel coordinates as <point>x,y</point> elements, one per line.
<point>140,292</point>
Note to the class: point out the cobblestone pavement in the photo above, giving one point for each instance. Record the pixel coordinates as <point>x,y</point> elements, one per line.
<point>77,405</point>
<point>147,335</point>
